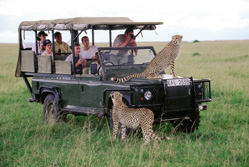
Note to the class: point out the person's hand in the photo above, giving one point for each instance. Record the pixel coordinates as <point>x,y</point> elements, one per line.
<point>94,58</point>
<point>79,62</point>
<point>133,42</point>
<point>84,63</point>
<point>128,38</point>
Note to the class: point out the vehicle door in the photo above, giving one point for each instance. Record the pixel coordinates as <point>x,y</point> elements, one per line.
<point>91,91</point>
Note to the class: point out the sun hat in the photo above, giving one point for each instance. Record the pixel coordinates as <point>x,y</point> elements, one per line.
<point>42,33</point>
<point>45,42</point>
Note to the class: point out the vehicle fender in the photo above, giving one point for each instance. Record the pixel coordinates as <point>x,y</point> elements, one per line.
<point>44,91</point>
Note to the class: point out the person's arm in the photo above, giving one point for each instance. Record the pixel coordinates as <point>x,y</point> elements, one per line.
<point>95,51</point>
<point>82,61</point>
<point>125,43</point>
<point>41,47</point>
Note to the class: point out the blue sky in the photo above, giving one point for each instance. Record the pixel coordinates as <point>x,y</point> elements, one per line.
<point>194,19</point>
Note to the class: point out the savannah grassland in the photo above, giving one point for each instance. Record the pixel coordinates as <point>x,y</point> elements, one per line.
<point>221,140</point>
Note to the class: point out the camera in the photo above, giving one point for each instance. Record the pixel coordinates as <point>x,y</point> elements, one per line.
<point>133,36</point>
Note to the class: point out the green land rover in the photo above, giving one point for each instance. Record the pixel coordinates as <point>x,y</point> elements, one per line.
<point>56,84</point>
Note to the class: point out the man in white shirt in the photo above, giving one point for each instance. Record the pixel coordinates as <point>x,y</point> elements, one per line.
<point>88,52</point>
<point>80,62</point>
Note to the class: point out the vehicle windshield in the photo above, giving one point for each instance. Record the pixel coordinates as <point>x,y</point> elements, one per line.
<point>126,56</point>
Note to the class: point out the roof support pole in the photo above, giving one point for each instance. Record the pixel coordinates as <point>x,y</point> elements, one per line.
<point>36,50</point>
<point>72,44</point>
<point>110,36</point>
<point>93,36</point>
<point>53,62</point>
<point>36,43</point>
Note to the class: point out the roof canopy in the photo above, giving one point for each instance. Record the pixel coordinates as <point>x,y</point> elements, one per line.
<point>84,23</point>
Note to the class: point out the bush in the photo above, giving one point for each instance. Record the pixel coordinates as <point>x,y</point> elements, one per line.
<point>196,41</point>
<point>196,54</point>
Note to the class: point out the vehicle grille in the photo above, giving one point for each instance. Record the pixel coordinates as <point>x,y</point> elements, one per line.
<point>138,97</point>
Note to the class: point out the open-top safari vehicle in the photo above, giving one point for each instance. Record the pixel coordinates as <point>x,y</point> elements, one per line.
<point>62,91</point>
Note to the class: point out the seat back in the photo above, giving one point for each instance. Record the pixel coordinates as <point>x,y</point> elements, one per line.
<point>94,68</point>
<point>106,56</point>
<point>60,58</point>
<point>27,61</point>
<point>91,68</point>
<point>44,64</point>
<point>86,70</point>
<point>63,67</point>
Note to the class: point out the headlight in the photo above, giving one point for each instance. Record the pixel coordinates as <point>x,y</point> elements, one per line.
<point>147,95</point>
<point>141,91</point>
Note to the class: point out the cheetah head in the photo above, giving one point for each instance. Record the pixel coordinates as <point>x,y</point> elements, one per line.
<point>177,39</point>
<point>116,96</point>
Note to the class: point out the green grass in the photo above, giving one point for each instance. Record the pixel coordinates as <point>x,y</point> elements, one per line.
<point>221,140</point>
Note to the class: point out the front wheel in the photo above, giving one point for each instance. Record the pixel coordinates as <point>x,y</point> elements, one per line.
<point>51,111</point>
<point>188,124</point>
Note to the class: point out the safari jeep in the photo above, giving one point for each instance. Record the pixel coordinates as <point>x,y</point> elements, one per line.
<point>62,91</point>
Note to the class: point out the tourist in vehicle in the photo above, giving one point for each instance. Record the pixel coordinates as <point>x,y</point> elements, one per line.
<point>80,62</point>
<point>48,48</point>
<point>41,37</point>
<point>87,51</point>
<point>61,46</point>
<point>124,40</point>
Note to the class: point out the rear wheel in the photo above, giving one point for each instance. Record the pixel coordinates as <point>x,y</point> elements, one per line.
<point>51,111</point>
<point>188,124</point>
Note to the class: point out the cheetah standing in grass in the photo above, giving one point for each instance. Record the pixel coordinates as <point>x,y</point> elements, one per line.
<point>166,57</point>
<point>132,118</point>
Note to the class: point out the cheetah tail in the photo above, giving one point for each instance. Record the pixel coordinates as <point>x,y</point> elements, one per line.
<point>165,137</point>
<point>154,137</point>
<point>127,78</point>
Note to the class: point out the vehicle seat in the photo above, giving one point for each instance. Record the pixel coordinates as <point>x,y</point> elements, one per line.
<point>62,58</point>
<point>27,61</point>
<point>63,67</point>
<point>106,56</point>
<point>94,68</point>
<point>86,70</point>
<point>44,64</point>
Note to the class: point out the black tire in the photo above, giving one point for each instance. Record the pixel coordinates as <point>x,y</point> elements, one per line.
<point>51,110</point>
<point>188,125</point>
